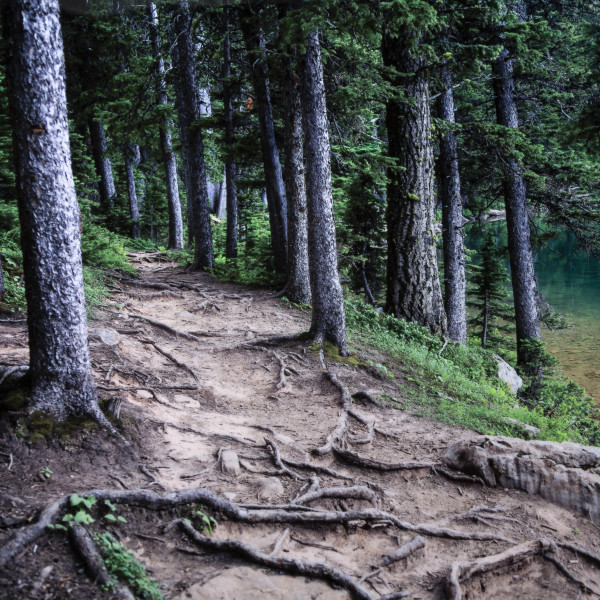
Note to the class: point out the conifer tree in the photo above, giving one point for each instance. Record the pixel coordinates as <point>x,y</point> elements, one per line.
<point>490,298</point>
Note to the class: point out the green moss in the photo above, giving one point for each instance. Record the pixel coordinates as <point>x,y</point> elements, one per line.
<point>14,400</point>
<point>40,425</point>
<point>332,352</point>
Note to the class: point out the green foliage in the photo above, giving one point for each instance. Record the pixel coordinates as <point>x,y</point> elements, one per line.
<point>121,563</point>
<point>254,265</point>
<point>102,248</point>
<point>493,318</point>
<point>207,522</point>
<point>461,387</point>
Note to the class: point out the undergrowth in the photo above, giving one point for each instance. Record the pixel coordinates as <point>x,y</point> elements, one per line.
<point>461,387</point>
<point>121,563</point>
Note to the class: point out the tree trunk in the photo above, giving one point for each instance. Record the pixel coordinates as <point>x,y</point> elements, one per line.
<point>517,219</point>
<point>102,163</point>
<point>61,374</point>
<point>276,199</point>
<point>187,90</point>
<point>132,159</point>
<point>297,287</point>
<point>170,162</point>
<point>328,317</point>
<point>413,286</point>
<point>452,218</point>
<point>231,240</point>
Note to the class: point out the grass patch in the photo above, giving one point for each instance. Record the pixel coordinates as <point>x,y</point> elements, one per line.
<point>461,387</point>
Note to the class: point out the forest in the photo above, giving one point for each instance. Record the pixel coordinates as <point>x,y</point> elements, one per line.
<point>293,264</point>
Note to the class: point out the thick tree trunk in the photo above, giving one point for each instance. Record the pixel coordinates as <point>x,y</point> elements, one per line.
<point>328,317</point>
<point>170,162</point>
<point>413,286</point>
<point>452,218</point>
<point>517,218</point>
<point>276,199</point>
<point>132,159</point>
<point>106,186</point>
<point>187,90</point>
<point>231,240</point>
<point>297,287</point>
<point>61,374</point>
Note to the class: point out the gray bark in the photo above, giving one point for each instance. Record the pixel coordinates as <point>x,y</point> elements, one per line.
<point>328,317</point>
<point>452,220</point>
<point>175,241</point>
<point>297,287</point>
<point>231,240</point>
<point>517,216</point>
<point>276,199</point>
<point>413,286</point>
<point>106,185</point>
<point>60,368</point>
<point>189,105</point>
<point>132,159</point>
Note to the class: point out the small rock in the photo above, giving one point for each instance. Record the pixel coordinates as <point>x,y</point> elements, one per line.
<point>249,335</point>
<point>110,337</point>
<point>530,432</point>
<point>270,487</point>
<point>186,315</point>
<point>144,394</point>
<point>507,374</point>
<point>184,399</point>
<point>230,463</point>
<point>230,496</point>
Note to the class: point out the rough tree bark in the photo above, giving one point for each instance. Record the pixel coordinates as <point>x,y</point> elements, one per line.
<point>231,240</point>
<point>517,219</point>
<point>276,198</point>
<point>452,218</point>
<point>106,186</point>
<point>187,90</point>
<point>297,287</point>
<point>328,317</point>
<point>175,241</point>
<point>413,286</point>
<point>132,159</point>
<point>60,368</point>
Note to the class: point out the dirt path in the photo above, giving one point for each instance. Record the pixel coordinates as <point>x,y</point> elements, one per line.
<point>231,397</point>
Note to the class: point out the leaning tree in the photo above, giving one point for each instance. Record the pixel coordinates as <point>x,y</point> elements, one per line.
<point>60,368</point>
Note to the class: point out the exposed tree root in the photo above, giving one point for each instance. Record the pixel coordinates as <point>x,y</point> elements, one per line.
<point>405,551</point>
<point>283,470</point>
<point>12,376</point>
<point>355,492</point>
<point>167,328</point>
<point>153,295</point>
<point>369,463</point>
<point>461,571</point>
<point>291,514</point>
<point>282,384</point>
<point>84,544</point>
<point>134,388</point>
<point>177,362</point>
<point>295,566</point>
<point>146,284</point>
<point>211,434</point>
<point>364,395</point>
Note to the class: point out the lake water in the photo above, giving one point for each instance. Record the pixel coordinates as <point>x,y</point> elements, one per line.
<point>570,281</point>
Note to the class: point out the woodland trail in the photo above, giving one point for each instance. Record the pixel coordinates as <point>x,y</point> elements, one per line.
<point>189,361</point>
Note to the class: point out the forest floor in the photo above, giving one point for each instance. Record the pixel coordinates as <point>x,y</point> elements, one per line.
<point>187,400</point>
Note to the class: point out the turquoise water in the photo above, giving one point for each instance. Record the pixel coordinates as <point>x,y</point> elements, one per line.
<point>570,281</point>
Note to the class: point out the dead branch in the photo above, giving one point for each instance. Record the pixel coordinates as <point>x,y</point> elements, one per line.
<point>295,566</point>
<point>461,571</point>
<point>84,543</point>
<point>147,284</point>
<point>405,551</point>
<point>579,550</point>
<point>314,544</point>
<point>454,476</point>
<point>369,463</point>
<point>177,362</point>
<point>279,543</point>
<point>167,328</point>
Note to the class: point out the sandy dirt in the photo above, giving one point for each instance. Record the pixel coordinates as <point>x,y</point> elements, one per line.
<point>177,434</point>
